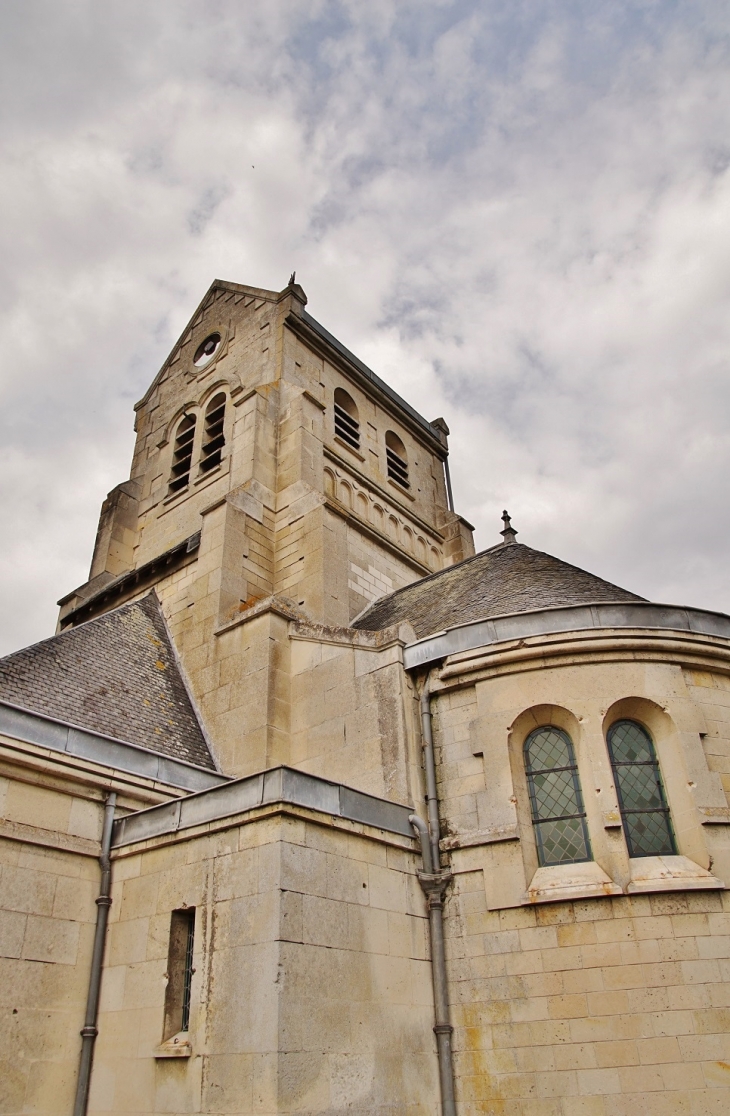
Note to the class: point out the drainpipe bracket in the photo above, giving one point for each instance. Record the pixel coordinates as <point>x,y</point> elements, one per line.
<point>434,884</point>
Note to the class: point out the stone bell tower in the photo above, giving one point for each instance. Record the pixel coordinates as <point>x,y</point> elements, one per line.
<point>274,475</point>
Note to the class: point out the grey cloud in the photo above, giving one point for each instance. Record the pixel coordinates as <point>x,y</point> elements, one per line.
<point>516,212</point>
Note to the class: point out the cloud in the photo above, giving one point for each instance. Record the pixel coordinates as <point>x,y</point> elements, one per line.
<point>517,213</point>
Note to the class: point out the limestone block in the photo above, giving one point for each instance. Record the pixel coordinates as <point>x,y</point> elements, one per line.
<point>75,899</point>
<point>242,1018</point>
<point>28,890</point>
<point>236,874</point>
<point>253,919</point>
<point>51,939</point>
<point>144,987</point>
<point>127,942</point>
<point>303,870</point>
<point>386,888</point>
<point>325,922</point>
<point>228,1084</point>
<point>36,805</point>
<point>12,932</point>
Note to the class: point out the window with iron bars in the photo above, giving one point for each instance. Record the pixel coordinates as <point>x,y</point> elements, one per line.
<point>179,972</point>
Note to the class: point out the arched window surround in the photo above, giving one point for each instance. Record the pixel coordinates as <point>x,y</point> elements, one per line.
<point>396,457</point>
<point>183,449</point>
<point>347,419</point>
<point>202,451</point>
<point>213,437</point>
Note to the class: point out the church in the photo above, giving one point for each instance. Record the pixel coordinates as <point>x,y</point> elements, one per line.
<point>308,808</point>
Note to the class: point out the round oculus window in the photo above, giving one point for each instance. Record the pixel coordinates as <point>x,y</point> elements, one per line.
<point>207,350</point>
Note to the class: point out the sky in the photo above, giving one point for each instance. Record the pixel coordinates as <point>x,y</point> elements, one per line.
<point>517,213</point>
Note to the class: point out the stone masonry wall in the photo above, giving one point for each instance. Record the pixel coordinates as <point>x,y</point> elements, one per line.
<point>606,1007</point>
<point>47,917</point>
<point>602,1006</point>
<point>311,991</point>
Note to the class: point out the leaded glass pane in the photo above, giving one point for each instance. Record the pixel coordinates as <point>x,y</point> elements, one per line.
<point>555,797</point>
<point>562,841</point>
<point>630,743</point>
<point>639,787</point>
<point>649,834</point>
<point>644,810</point>
<point>549,748</point>
<point>555,794</point>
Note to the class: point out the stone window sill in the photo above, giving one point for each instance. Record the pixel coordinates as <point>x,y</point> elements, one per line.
<point>200,482</point>
<point>668,873</point>
<point>403,491</point>
<point>178,1046</point>
<point>570,881</point>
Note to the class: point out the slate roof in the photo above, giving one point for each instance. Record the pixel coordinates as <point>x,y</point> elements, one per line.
<point>496,582</point>
<point>116,675</point>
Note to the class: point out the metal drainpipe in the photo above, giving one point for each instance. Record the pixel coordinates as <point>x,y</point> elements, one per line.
<point>449,493</point>
<point>89,1031</point>
<point>434,880</point>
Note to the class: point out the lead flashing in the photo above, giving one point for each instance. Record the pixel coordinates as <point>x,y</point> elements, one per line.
<point>59,736</point>
<point>278,785</point>
<point>570,618</point>
<point>306,324</point>
<point>143,576</point>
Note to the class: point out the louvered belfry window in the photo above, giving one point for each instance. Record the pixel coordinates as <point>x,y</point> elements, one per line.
<point>213,437</point>
<point>182,454</point>
<point>397,460</point>
<point>556,800</point>
<point>347,425</point>
<point>644,810</point>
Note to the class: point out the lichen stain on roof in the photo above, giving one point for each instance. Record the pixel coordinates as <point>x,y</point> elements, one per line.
<point>116,675</point>
<point>495,582</point>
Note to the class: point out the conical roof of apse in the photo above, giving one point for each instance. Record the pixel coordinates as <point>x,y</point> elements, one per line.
<point>505,579</point>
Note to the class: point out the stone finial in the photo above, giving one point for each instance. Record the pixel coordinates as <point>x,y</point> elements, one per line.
<point>509,535</point>
<point>292,279</point>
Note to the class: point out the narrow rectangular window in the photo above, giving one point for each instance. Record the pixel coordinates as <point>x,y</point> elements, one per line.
<point>179,972</point>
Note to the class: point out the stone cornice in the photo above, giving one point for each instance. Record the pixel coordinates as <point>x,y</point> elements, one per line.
<point>579,649</point>
<point>384,494</point>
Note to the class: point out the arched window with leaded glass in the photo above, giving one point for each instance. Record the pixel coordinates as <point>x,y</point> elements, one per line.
<point>558,815</point>
<point>641,799</point>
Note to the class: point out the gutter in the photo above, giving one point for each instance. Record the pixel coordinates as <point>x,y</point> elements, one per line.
<point>89,1031</point>
<point>434,881</point>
